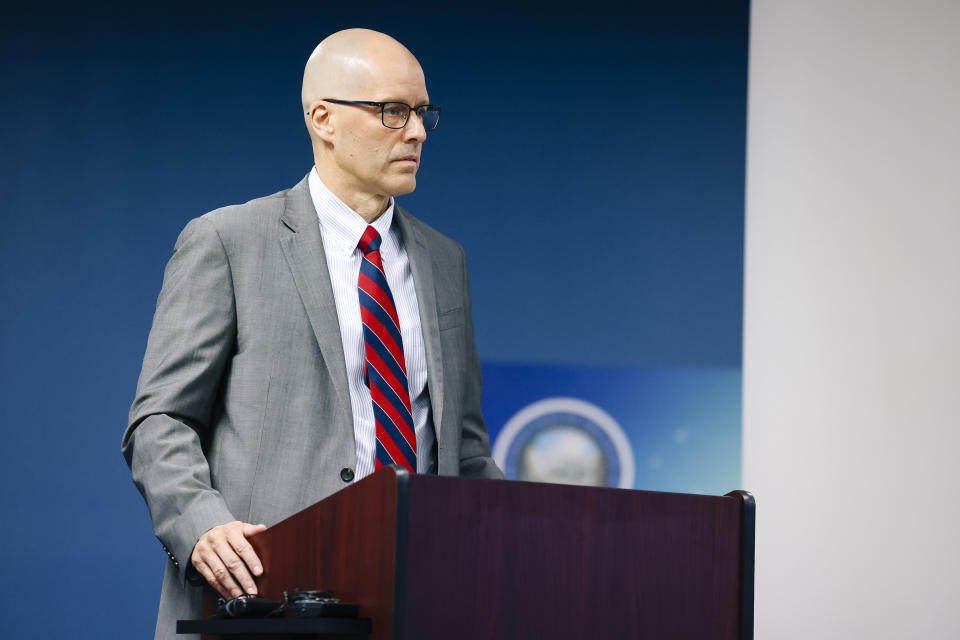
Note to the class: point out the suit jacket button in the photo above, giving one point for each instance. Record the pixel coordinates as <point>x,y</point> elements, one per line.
<point>346,474</point>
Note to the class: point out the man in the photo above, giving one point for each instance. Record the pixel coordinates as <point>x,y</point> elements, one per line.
<point>303,339</point>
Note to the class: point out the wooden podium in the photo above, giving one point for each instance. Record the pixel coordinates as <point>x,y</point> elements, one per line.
<point>429,557</point>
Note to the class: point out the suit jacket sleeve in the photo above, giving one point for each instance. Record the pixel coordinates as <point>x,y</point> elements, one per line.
<point>475,457</point>
<point>190,343</point>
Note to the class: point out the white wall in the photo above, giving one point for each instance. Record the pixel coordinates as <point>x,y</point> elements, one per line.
<point>852,318</point>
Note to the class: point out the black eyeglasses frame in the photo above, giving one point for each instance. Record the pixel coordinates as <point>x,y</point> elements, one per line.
<point>419,110</point>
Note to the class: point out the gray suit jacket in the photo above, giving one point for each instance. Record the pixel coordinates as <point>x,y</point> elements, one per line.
<point>242,409</point>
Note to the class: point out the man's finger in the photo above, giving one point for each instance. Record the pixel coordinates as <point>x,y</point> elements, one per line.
<point>222,575</point>
<point>204,570</point>
<point>235,566</point>
<point>250,529</point>
<point>245,550</point>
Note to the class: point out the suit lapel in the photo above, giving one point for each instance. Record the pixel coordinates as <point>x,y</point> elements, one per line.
<point>421,266</point>
<point>302,247</point>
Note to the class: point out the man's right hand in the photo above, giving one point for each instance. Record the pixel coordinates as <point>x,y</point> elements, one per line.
<point>224,557</point>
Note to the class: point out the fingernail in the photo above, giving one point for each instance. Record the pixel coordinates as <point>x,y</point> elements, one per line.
<point>252,590</point>
<point>257,570</point>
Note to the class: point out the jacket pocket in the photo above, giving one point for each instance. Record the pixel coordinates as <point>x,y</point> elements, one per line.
<point>450,319</point>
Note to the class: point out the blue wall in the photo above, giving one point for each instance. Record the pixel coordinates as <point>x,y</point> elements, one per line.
<point>590,160</point>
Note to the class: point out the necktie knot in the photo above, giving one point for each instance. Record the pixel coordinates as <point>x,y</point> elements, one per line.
<point>369,241</point>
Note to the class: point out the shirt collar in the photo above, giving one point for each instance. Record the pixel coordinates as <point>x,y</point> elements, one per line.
<point>344,226</point>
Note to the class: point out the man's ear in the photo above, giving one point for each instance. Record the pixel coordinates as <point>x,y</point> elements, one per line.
<point>320,121</point>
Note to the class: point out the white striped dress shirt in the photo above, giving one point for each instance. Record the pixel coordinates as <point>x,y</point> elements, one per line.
<point>341,228</point>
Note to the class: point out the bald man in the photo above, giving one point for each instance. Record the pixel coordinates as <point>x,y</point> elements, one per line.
<point>284,324</point>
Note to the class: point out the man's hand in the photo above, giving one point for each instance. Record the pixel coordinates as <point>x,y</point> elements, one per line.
<point>224,557</point>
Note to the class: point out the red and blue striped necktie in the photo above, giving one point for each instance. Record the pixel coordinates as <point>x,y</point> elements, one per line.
<point>386,370</point>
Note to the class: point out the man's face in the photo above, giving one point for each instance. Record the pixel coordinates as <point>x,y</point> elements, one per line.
<point>372,157</point>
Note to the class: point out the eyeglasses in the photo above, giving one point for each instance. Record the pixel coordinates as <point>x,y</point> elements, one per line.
<point>394,115</point>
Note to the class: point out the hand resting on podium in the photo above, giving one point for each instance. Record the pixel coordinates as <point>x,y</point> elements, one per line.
<point>224,558</point>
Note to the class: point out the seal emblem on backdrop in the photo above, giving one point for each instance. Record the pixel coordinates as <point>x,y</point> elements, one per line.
<point>566,441</point>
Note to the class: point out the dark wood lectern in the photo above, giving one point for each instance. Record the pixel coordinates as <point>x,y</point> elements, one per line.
<point>430,557</point>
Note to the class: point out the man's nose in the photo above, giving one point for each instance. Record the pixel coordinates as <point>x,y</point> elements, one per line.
<point>413,128</point>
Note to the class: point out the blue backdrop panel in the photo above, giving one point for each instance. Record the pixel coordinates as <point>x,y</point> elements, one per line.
<point>682,424</point>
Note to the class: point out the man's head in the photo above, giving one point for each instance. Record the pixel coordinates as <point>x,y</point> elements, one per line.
<point>357,157</point>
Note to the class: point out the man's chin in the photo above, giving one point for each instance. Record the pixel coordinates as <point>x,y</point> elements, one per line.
<point>404,186</point>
